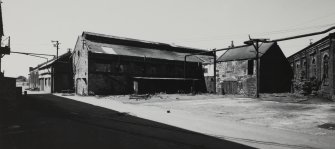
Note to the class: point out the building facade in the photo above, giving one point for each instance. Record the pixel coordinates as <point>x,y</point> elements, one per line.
<point>314,64</point>
<point>53,76</point>
<point>237,71</point>
<point>105,64</point>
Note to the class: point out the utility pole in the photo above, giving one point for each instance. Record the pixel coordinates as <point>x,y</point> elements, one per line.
<point>56,44</point>
<point>1,34</point>
<point>6,49</point>
<point>214,74</point>
<point>255,43</point>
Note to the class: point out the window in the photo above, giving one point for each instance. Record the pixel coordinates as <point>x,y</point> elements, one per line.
<point>325,62</point>
<point>99,67</point>
<point>250,67</point>
<point>313,60</point>
<point>313,68</point>
<point>205,70</point>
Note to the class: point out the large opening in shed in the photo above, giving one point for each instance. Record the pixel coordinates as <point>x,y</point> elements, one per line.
<point>165,85</point>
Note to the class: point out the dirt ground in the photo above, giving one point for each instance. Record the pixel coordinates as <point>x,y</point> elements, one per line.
<point>291,112</point>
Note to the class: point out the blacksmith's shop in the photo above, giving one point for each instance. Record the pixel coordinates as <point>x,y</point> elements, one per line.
<point>237,70</point>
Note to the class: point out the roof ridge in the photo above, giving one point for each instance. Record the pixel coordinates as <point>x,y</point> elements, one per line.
<point>141,41</point>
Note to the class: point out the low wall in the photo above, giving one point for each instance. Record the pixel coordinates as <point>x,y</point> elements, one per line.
<point>8,88</point>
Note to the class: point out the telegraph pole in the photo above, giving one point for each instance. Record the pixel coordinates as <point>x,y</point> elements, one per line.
<point>214,73</point>
<point>6,49</point>
<point>56,44</point>
<point>255,44</point>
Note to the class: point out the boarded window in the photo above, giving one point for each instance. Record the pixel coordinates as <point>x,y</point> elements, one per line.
<point>250,67</point>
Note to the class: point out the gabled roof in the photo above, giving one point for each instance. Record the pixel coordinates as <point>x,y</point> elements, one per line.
<point>139,52</point>
<point>244,53</point>
<point>113,45</point>
<point>109,39</point>
<point>52,61</point>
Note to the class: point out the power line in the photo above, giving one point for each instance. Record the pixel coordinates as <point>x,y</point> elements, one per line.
<point>262,33</point>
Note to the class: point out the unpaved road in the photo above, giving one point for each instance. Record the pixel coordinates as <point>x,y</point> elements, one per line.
<point>223,118</point>
<point>304,118</point>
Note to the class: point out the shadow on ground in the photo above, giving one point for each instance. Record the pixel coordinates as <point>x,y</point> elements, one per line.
<point>47,121</point>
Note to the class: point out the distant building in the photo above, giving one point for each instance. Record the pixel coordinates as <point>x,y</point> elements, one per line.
<point>315,63</point>
<point>106,64</point>
<point>237,70</point>
<point>21,81</point>
<point>52,76</point>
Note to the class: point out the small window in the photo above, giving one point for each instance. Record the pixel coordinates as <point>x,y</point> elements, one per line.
<point>250,67</point>
<point>313,60</point>
<point>205,70</point>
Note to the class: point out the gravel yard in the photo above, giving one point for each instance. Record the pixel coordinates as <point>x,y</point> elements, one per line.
<point>309,115</point>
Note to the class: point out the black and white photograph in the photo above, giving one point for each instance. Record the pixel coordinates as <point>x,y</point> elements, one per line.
<point>167,74</point>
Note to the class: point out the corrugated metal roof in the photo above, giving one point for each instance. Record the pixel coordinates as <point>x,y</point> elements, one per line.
<point>244,53</point>
<point>206,59</point>
<point>139,52</point>
<point>194,50</point>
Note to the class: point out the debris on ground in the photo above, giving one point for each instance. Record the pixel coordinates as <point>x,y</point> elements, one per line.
<point>138,97</point>
<point>278,110</point>
<point>329,126</point>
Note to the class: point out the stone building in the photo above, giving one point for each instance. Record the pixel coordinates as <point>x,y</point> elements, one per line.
<point>237,71</point>
<point>105,64</point>
<point>53,76</point>
<point>315,64</point>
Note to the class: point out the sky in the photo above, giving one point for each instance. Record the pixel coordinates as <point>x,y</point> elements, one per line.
<point>205,24</point>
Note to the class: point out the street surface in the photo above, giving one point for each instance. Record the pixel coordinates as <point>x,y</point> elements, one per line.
<point>51,122</point>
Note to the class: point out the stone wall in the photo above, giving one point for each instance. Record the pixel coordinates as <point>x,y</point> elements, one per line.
<point>237,71</point>
<point>80,67</point>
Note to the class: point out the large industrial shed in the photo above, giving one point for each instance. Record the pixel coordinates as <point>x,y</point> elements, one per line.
<point>237,70</point>
<point>105,64</point>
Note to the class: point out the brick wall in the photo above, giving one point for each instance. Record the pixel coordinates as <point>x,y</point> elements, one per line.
<point>317,69</point>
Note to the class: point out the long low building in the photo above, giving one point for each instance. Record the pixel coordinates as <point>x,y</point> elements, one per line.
<point>105,64</point>
<point>315,64</point>
<point>53,76</point>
